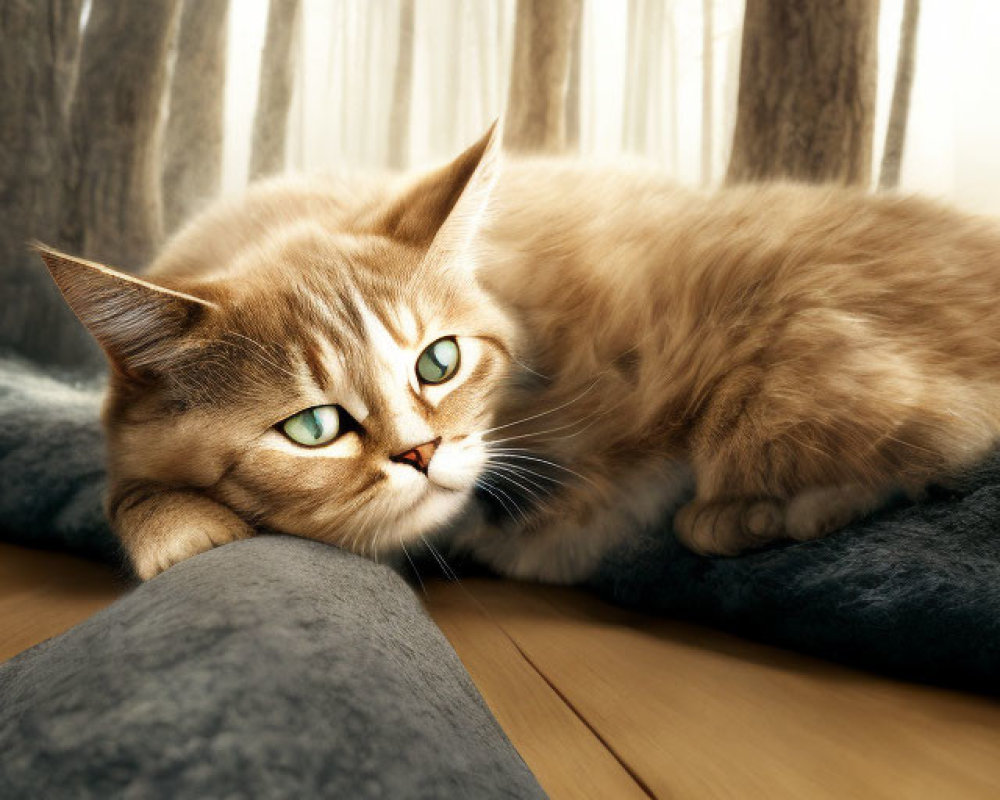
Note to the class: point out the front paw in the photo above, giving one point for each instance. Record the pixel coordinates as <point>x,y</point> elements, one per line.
<point>728,527</point>
<point>156,555</point>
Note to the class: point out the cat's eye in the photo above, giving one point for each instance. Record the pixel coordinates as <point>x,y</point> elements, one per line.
<point>314,426</point>
<point>439,361</point>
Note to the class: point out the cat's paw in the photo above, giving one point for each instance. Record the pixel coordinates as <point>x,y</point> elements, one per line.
<point>728,527</point>
<point>158,555</point>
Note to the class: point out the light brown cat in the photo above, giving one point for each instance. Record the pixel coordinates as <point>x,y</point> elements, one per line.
<point>541,358</point>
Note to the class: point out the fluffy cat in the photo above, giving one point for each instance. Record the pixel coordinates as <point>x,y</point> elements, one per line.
<point>541,358</point>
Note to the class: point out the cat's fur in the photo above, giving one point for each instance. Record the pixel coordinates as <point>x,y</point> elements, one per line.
<point>795,353</point>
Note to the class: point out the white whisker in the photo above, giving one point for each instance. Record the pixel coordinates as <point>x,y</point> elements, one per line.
<point>413,566</point>
<point>551,464</point>
<point>492,490</point>
<point>539,433</point>
<point>507,475</point>
<point>523,471</point>
<point>449,573</point>
<point>526,368</point>
<point>541,413</point>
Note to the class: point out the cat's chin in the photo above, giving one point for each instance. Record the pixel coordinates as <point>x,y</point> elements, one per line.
<point>435,509</point>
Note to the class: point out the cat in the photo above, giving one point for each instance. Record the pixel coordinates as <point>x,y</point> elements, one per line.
<point>540,357</point>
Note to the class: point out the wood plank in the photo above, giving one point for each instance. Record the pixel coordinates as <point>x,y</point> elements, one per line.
<point>43,594</point>
<point>566,757</point>
<point>695,713</point>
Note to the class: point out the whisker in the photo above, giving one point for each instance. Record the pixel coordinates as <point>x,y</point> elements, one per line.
<point>553,464</point>
<point>520,472</point>
<point>491,489</point>
<point>587,423</point>
<point>523,471</point>
<point>541,413</point>
<point>526,368</point>
<point>507,476</point>
<point>480,484</point>
<point>413,566</point>
<point>513,502</point>
<point>449,573</point>
<point>538,433</point>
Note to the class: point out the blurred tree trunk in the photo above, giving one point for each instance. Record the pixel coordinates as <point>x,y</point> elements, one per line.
<point>637,77</point>
<point>112,210</point>
<point>895,134</point>
<point>38,47</point>
<point>402,89</point>
<point>451,85</point>
<point>573,86</point>
<point>730,91</point>
<point>806,101</point>
<point>675,109</point>
<point>707,89</point>
<point>274,96</point>
<point>192,147</point>
<point>536,105</point>
<point>66,49</point>
<point>487,45</point>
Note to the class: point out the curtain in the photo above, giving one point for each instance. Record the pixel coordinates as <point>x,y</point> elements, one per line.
<point>641,86</point>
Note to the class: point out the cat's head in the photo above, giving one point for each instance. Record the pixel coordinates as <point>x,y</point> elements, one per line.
<point>330,377</point>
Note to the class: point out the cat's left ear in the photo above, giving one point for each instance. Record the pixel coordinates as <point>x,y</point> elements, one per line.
<point>137,323</point>
<point>445,209</point>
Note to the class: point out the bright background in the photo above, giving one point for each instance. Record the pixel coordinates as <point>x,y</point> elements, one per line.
<point>462,52</point>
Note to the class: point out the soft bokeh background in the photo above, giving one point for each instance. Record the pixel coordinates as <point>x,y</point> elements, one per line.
<point>121,119</point>
<point>462,51</point>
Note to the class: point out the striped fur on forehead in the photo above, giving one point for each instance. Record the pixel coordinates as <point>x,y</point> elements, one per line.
<point>332,330</point>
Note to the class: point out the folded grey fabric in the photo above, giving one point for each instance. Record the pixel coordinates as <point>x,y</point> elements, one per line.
<point>52,468</point>
<point>270,668</point>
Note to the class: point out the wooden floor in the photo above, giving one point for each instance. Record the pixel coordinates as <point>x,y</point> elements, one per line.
<point>607,704</point>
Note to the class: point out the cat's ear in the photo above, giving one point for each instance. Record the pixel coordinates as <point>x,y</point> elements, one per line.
<point>444,210</point>
<point>138,323</point>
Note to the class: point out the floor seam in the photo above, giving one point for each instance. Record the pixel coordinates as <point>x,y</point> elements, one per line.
<point>562,696</point>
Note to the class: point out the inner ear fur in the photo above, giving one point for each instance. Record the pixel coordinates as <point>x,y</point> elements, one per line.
<point>138,323</point>
<point>453,196</point>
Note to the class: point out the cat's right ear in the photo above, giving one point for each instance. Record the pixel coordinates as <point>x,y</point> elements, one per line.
<point>444,210</point>
<point>136,322</point>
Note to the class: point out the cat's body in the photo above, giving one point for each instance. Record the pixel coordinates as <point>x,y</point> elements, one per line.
<point>800,352</point>
<point>794,354</point>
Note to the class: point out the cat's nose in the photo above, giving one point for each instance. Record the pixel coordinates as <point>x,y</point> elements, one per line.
<point>418,457</point>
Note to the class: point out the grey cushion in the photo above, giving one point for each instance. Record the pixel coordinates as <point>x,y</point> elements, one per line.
<point>271,667</point>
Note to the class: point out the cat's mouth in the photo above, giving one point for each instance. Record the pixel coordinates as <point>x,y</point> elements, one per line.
<point>434,485</point>
<point>428,510</point>
<point>428,491</point>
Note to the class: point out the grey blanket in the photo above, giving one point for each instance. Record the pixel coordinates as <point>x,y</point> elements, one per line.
<point>913,591</point>
<point>270,668</point>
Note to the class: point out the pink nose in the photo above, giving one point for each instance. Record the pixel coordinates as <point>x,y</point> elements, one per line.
<point>418,457</point>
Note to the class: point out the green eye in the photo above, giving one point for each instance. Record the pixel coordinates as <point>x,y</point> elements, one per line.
<point>439,362</point>
<point>314,426</point>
